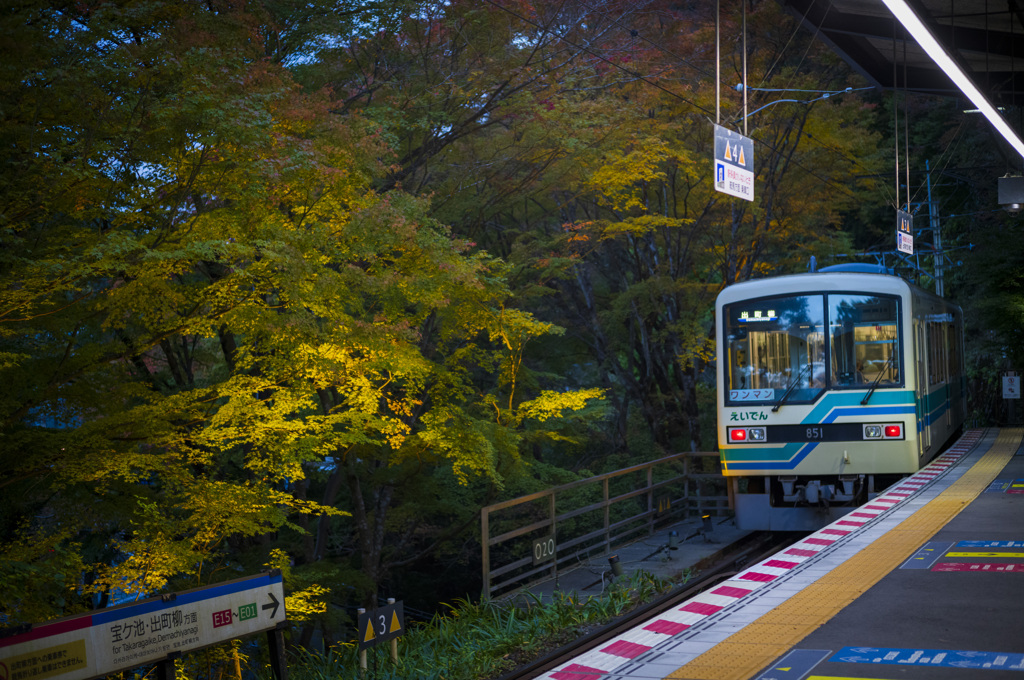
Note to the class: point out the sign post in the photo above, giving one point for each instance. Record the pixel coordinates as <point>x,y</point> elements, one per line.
<point>734,163</point>
<point>155,630</point>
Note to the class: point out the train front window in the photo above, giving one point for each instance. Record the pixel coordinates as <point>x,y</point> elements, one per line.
<point>774,346</point>
<point>863,340</point>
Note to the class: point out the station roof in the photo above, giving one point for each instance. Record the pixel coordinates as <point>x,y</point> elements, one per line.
<point>985,36</point>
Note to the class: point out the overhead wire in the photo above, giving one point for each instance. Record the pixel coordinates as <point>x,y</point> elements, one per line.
<point>708,74</point>
<point>827,181</point>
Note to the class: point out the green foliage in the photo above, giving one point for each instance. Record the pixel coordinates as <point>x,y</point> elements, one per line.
<point>205,302</point>
<point>472,641</point>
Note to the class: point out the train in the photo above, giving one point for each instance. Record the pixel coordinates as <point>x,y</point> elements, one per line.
<point>832,385</point>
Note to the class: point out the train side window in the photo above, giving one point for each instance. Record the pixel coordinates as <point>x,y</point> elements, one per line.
<point>863,340</point>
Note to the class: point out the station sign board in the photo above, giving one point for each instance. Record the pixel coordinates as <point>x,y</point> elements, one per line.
<point>119,638</point>
<point>734,163</point>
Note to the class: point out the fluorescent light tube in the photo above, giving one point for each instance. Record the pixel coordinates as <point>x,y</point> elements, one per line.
<point>924,38</point>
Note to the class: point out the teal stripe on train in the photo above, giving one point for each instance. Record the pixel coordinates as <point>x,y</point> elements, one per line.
<point>833,406</point>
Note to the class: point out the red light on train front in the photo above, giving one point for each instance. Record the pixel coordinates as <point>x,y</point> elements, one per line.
<point>738,435</point>
<point>893,431</point>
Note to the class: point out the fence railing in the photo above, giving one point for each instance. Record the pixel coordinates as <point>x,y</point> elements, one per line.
<point>554,529</point>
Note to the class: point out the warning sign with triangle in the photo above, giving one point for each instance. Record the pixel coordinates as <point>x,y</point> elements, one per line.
<point>381,625</point>
<point>734,164</point>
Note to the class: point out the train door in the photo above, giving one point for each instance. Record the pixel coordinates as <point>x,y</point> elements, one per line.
<point>924,439</point>
<point>947,338</point>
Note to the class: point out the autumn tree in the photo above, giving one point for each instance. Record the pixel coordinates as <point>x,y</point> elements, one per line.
<point>205,302</point>
<point>576,143</point>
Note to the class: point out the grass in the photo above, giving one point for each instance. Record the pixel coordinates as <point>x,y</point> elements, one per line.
<point>480,641</point>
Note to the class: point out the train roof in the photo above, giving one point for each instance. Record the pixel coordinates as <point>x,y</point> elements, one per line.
<point>840,278</point>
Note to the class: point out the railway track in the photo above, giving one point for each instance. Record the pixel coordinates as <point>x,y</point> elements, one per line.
<point>749,550</point>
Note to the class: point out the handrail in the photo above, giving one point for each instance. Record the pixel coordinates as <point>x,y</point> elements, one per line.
<point>589,528</point>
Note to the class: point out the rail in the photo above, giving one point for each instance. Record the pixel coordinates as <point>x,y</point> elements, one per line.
<point>542,532</point>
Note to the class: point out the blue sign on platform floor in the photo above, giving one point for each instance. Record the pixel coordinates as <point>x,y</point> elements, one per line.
<point>936,658</point>
<point>990,544</point>
<point>795,665</point>
<point>926,555</point>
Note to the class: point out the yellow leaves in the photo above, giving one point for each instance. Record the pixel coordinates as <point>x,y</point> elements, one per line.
<point>302,605</point>
<point>551,404</point>
<point>620,182</point>
<point>643,225</point>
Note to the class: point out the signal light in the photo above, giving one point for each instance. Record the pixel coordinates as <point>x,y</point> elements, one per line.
<point>893,431</point>
<point>738,435</point>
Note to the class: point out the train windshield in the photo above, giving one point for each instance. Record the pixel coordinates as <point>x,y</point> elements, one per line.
<point>863,340</point>
<point>794,347</point>
<point>776,346</point>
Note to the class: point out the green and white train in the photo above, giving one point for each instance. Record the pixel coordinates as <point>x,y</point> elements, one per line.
<point>832,385</point>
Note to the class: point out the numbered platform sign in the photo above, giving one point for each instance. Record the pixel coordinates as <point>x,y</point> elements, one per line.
<point>543,550</point>
<point>380,625</point>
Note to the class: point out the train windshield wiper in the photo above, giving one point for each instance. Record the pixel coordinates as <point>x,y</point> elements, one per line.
<point>878,379</point>
<point>790,388</point>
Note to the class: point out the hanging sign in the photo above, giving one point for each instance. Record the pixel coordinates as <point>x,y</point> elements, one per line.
<point>734,163</point>
<point>904,232</point>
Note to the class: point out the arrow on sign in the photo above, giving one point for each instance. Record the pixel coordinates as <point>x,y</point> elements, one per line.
<point>274,604</point>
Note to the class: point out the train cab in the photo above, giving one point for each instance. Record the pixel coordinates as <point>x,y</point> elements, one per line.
<point>831,386</point>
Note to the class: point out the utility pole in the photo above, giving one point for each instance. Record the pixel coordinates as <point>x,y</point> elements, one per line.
<point>933,219</point>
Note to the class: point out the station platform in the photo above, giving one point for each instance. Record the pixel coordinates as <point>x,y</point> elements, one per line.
<point>924,581</point>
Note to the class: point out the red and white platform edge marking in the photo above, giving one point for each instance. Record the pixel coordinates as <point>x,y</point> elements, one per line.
<point>610,656</point>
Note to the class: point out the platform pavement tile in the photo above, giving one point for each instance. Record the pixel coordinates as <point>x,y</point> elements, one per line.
<point>713,635</point>
<point>690,647</point>
<point>665,669</point>
<point>749,613</point>
<point>626,649</point>
<point>716,600</point>
<point>730,591</point>
<point>575,671</point>
<point>683,617</point>
<point>781,564</point>
<point>852,525</point>
<point>642,636</point>
<point>835,531</point>
<point>666,627</point>
<point>762,568</point>
<point>703,608</point>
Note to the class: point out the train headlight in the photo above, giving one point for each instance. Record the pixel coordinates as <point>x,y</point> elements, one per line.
<point>884,431</point>
<point>747,434</point>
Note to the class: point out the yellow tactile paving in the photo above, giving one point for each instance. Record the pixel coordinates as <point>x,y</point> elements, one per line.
<point>740,656</point>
